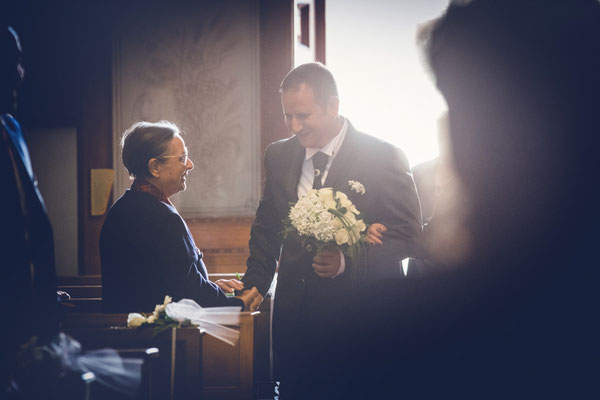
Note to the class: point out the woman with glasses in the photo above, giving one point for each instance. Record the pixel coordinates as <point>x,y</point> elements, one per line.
<point>146,248</point>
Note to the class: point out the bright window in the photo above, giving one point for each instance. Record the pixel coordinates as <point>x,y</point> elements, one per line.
<point>384,89</point>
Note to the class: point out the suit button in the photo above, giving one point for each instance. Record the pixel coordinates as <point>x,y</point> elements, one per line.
<point>308,248</point>
<point>302,279</point>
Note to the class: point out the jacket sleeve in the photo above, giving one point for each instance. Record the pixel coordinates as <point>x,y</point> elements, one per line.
<point>265,235</point>
<point>187,276</point>
<point>399,210</point>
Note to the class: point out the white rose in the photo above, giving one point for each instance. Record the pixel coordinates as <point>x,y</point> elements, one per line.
<point>134,320</point>
<point>151,319</point>
<point>344,202</point>
<point>326,194</point>
<point>360,225</point>
<point>341,196</point>
<point>337,223</point>
<point>350,218</point>
<point>341,236</point>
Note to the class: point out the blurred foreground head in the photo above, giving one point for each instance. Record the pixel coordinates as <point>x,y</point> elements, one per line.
<point>11,70</point>
<point>521,80</point>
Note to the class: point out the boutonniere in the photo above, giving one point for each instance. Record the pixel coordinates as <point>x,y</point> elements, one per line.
<point>357,187</point>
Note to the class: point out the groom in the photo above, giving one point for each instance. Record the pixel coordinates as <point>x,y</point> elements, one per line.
<point>324,151</point>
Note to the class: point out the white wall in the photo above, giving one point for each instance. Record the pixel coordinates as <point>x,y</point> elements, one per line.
<point>54,158</point>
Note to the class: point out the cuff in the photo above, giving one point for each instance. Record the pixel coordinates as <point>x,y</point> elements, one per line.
<point>342,264</point>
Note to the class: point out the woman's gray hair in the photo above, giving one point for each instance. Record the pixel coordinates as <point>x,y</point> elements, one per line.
<point>143,141</point>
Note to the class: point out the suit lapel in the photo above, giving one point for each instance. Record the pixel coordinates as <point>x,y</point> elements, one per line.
<point>14,133</point>
<point>341,163</point>
<point>296,158</point>
<point>21,154</point>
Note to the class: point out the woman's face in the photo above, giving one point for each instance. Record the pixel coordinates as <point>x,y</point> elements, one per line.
<point>173,167</point>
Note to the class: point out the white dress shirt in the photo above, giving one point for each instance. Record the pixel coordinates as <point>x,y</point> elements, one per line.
<point>306,178</point>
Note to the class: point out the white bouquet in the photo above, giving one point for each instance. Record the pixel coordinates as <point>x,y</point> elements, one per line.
<point>328,218</point>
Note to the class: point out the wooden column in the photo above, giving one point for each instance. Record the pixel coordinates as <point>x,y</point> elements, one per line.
<point>276,60</point>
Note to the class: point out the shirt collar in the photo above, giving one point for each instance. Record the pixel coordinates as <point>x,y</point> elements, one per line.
<point>331,148</point>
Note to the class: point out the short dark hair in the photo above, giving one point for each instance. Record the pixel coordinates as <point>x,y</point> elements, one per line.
<point>315,75</point>
<point>143,141</point>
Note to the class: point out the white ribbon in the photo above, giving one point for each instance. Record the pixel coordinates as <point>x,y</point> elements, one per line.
<point>211,319</point>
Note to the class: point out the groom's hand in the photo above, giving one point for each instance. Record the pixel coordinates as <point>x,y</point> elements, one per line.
<point>327,262</point>
<point>251,298</point>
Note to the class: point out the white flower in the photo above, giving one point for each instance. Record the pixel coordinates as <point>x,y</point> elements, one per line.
<point>357,187</point>
<point>134,320</point>
<point>327,216</point>
<point>343,199</point>
<point>360,225</point>
<point>350,218</point>
<point>151,319</point>
<point>310,215</point>
<point>326,196</point>
<point>159,308</point>
<point>337,223</point>
<point>341,236</point>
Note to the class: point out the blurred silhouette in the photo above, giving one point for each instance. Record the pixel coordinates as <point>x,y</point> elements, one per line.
<point>36,360</point>
<point>28,272</point>
<point>518,318</point>
<point>442,206</point>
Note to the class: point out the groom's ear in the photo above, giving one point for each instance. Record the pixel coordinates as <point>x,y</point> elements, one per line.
<point>333,106</point>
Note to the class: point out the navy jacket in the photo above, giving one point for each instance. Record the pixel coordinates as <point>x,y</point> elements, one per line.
<point>28,284</point>
<point>148,252</point>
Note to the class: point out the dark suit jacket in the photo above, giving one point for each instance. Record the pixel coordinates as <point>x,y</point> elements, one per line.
<point>302,299</point>
<point>148,252</point>
<point>26,247</point>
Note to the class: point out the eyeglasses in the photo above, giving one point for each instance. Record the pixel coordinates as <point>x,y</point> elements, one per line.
<point>182,159</point>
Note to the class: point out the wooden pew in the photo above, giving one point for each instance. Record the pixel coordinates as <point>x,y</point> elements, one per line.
<point>180,360</point>
<point>214,368</point>
<point>229,373</point>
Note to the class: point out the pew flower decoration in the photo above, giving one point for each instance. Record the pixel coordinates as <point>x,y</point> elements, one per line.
<point>158,319</point>
<point>215,321</point>
<point>328,218</point>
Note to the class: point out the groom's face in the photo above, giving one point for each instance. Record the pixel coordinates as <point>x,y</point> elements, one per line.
<point>314,124</point>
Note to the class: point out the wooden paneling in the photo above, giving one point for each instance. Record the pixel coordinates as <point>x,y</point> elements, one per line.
<point>276,60</point>
<point>229,370</point>
<point>94,132</point>
<point>69,84</point>
<point>223,241</point>
<point>220,233</point>
<point>320,38</point>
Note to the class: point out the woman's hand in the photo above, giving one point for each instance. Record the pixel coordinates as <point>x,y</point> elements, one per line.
<point>375,234</point>
<point>230,285</point>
